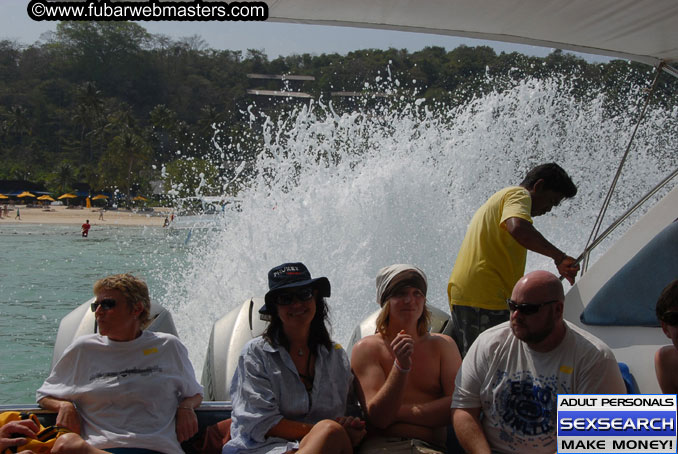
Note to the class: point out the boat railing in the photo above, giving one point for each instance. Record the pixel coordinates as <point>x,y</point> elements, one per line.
<point>584,256</point>
<point>208,413</point>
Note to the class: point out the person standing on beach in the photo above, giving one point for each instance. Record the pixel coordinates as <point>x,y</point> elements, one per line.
<point>85,228</point>
<point>101,214</point>
<point>18,214</point>
<point>492,255</point>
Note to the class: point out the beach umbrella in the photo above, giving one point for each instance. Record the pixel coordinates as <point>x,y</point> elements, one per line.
<point>3,196</point>
<point>140,198</point>
<point>68,195</point>
<point>25,194</point>
<point>46,197</point>
<point>99,197</point>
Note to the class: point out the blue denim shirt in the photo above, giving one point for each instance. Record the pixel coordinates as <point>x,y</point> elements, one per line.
<point>266,388</point>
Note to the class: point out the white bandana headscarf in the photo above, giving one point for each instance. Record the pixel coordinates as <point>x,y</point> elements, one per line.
<point>386,279</point>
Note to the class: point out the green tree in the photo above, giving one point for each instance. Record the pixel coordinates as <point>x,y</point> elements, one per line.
<point>89,114</point>
<point>17,123</point>
<point>125,164</point>
<point>64,177</point>
<point>192,178</point>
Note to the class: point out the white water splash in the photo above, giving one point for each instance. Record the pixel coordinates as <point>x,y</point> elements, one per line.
<point>350,193</point>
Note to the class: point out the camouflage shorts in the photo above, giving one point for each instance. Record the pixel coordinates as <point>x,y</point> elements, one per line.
<point>396,445</point>
<point>468,322</point>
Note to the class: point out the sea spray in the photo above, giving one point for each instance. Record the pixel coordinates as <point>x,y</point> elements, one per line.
<point>398,180</point>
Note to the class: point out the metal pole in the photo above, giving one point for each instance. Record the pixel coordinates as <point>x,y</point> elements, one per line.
<point>608,197</point>
<point>624,216</point>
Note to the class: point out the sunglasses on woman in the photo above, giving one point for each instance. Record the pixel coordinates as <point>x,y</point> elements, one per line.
<point>670,318</point>
<point>526,309</point>
<point>287,298</point>
<point>106,304</point>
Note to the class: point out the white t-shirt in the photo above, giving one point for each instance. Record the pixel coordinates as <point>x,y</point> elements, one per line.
<point>517,387</point>
<point>126,392</point>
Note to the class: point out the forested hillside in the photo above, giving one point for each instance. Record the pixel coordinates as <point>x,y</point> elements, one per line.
<point>110,104</point>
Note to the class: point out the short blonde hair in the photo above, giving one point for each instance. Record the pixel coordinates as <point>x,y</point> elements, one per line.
<point>423,324</point>
<point>134,289</point>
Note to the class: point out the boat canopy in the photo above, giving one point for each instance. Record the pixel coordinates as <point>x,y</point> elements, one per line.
<point>640,30</point>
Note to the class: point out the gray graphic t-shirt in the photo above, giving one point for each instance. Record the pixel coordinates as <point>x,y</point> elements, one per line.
<point>517,387</point>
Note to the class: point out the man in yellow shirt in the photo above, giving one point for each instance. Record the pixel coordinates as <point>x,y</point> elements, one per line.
<point>492,256</point>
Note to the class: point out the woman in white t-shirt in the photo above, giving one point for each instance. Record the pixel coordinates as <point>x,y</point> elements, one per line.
<point>124,390</point>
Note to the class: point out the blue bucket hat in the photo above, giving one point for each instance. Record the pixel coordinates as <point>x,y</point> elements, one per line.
<point>291,275</point>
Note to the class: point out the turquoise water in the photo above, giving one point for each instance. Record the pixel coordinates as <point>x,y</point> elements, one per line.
<point>46,271</point>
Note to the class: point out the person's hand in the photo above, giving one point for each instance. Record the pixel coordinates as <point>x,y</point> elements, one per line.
<point>402,346</point>
<point>354,427</point>
<point>68,417</point>
<point>186,424</point>
<point>8,433</point>
<point>568,268</point>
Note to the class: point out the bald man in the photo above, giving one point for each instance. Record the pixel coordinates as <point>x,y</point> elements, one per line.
<point>514,371</point>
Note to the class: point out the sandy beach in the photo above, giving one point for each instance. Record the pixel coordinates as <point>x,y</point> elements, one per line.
<point>77,216</point>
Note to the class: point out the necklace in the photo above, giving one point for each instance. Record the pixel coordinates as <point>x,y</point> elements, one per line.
<point>300,352</point>
<point>307,379</point>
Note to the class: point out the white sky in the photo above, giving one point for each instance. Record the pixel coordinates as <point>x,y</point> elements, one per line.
<point>273,38</point>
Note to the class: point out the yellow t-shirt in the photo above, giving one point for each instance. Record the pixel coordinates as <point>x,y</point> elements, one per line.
<point>490,261</point>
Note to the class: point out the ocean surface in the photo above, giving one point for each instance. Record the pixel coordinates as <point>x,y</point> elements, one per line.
<point>46,271</point>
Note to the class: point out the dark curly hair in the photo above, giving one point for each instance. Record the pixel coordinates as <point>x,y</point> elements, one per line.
<point>318,333</point>
<point>668,300</point>
<point>555,179</point>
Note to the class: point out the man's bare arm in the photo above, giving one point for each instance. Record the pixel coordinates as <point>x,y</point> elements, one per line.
<point>435,413</point>
<point>530,238</point>
<point>469,432</point>
<point>383,394</point>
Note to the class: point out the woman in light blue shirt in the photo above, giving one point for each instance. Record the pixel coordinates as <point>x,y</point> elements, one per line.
<point>291,388</point>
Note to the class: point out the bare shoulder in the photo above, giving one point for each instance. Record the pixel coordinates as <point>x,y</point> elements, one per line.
<point>442,339</point>
<point>369,347</point>
<point>666,364</point>
<point>667,357</point>
<point>444,342</point>
<point>372,341</point>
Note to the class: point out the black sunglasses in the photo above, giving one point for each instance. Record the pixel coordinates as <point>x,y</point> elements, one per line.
<point>670,318</point>
<point>303,295</point>
<point>526,309</point>
<point>106,304</point>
